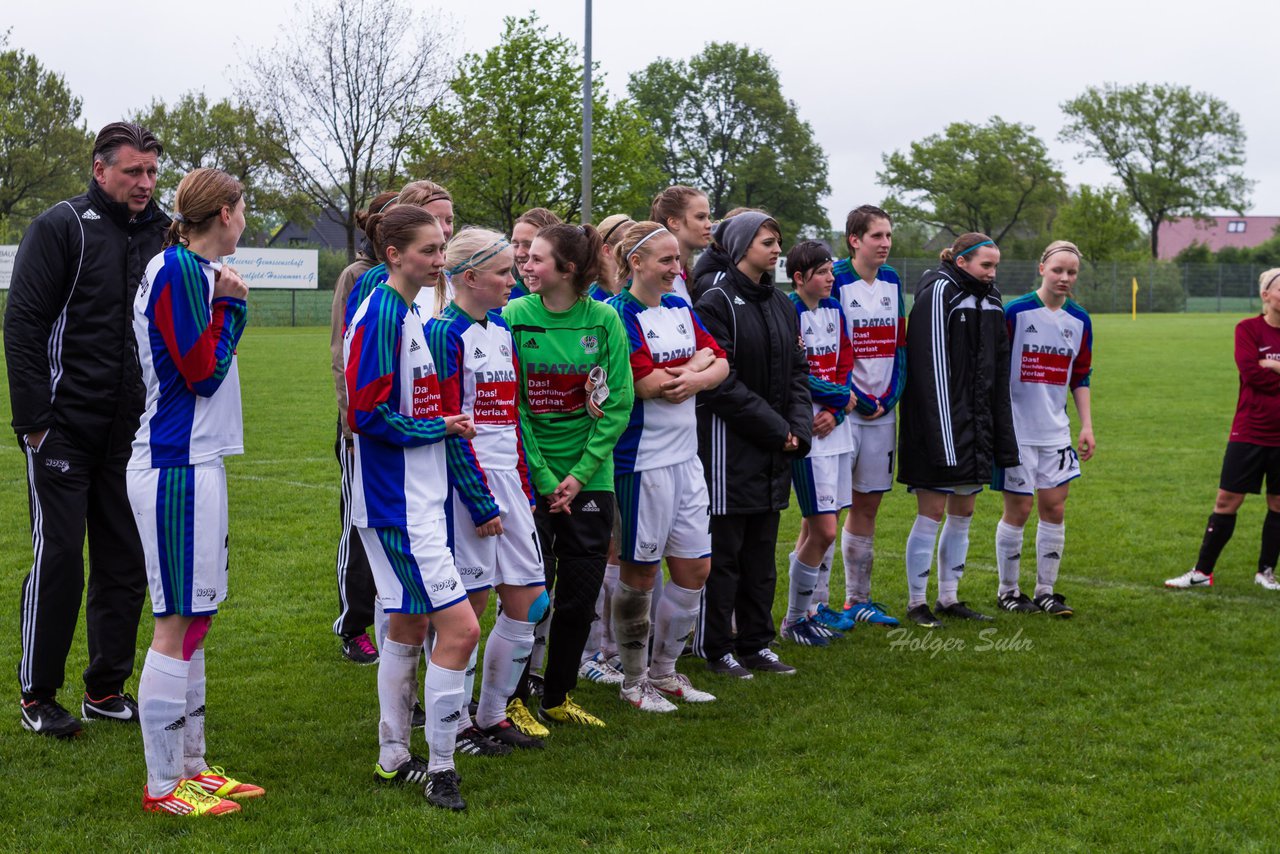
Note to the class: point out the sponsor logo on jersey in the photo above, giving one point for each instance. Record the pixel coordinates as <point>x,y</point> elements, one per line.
<point>831,327</point>
<point>61,465</point>
<point>680,327</point>
<point>505,351</point>
<point>1067,334</point>
<point>426,394</point>
<point>590,344</point>
<point>826,500</point>
<point>648,548</point>
<point>1043,364</point>
<point>556,387</point>
<point>668,358</point>
<point>209,593</point>
<point>471,571</point>
<point>868,322</point>
<point>884,301</point>
<point>446,584</point>
<point>90,215</point>
<point>1046,348</point>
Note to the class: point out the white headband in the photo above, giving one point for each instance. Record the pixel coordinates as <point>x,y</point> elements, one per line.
<point>636,248</point>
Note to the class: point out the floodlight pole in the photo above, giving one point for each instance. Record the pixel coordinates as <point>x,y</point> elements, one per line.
<point>586,121</point>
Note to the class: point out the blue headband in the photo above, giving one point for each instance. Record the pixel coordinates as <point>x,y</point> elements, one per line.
<point>477,259</point>
<point>975,246</point>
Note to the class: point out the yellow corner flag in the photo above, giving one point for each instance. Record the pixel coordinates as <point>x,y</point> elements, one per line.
<point>1135,297</point>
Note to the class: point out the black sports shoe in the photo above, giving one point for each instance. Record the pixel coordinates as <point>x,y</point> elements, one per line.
<point>1054,604</point>
<point>922,616</point>
<point>113,707</point>
<point>441,790</point>
<point>473,707</point>
<point>359,649</point>
<point>536,685</point>
<point>48,718</point>
<point>1019,603</point>
<point>412,770</point>
<point>727,665</point>
<point>473,742</point>
<point>419,716</point>
<point>767,661</point>
<point>505,732</point>
<point>961,611</point>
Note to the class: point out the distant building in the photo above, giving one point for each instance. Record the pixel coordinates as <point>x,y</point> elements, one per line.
<point>324,232</point>
<point>1242,232</point>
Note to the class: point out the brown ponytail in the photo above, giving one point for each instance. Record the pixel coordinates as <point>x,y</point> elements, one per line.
<point>963,244</point>
<point>579,246</point>
<point>202,194</point>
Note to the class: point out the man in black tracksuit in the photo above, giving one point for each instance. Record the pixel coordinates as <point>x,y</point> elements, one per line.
<point>77,394</point>
<point>749,429</point>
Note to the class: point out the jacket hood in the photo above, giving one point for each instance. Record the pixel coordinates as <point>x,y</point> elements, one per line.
<point>712,260</point>
<point>966,282</point>
<point>119,213</point>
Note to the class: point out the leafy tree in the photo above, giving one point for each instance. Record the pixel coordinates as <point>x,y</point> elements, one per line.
<point>1099,222</point>
<point>995,178</point>
<point>508,136</point>
<point>1176,151</point>
<point>342,90</point>
<point>44,143</point>
<point>726,128</point>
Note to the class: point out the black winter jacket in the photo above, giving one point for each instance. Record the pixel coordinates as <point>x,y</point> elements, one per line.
<point>743,423</point>
<point>955,419</point>
<point>68,324</point>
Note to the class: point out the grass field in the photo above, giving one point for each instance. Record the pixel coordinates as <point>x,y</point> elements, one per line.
<point>1147,722</point>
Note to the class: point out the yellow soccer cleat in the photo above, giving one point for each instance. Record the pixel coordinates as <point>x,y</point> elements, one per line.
<point>569,712</point>
<point>524,720</point>
<point>188,800</point>
<point>215,781</point>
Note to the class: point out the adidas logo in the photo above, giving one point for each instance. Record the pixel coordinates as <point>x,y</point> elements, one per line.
<point>808,330</point>
<point>738,301</point>
<point>453,717</point>
<point>176,725</point>
<point>651,334</point>
<point>1018,556</point>
<point>478,353</point>
<point>413,346</point>
<point>1053,556</point>
<point>591,507</point>
<point>958,570</point>
<point>853,303</point>
<point>1030,329</point>
<point>90,215</point>
<point>635,644</point>
<point>471,671</point>
<point>521,660</point>
<point>532,345</point>
<point>964,318</point>
<point>198,713</point>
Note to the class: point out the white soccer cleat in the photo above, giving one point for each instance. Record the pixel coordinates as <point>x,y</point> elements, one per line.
<point>646,698</point>
<point>1191,578</point>
<point>678,687</point>
<point>1267,580</point>
<point>596,669</point>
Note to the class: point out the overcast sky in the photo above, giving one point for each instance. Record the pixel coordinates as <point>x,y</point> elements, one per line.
<point>869,78</point>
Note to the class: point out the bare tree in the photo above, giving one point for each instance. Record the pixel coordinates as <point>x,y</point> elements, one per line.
<point>346,85</point>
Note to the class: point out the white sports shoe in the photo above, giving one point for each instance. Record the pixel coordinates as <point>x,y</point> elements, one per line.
<point>1267,580</point>
<point>678,687</point>
<point>596,669</point>
<point>1191,578</point>
<point>646,698</point>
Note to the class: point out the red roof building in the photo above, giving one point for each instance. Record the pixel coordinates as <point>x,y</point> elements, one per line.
<point>1217,233</point>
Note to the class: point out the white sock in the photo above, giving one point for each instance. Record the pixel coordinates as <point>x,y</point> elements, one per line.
<point>596,635</point>
<point>1050,541</point>
<point>655,596</point>
<point>397,669</point>
<point>379,624</point>
<point>1008,556</point>
<point>953,550</point>
<point>608,644</point>
<point>919,558</point>
<point>540,630</point>
<point>858,553</point>
<point>442,698</point>
<point>505,653</point>
<point>193,744</point>
<point>162,703</point>
<point>468,686</point>
<point>804,579</point>
<point>631,624</point>
<point>677,612</point>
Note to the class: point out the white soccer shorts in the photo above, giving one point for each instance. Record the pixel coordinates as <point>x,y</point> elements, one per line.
<point>664,513</point>
<point>514,557</point>
<point>1040,467</point>
<point>873,448</point>
<point>823,484</point>
<point>412,567</point>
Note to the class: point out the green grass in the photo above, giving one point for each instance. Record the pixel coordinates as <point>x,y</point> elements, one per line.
<point>1146,722</point>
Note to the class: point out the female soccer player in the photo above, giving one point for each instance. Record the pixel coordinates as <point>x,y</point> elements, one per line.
<point>188,316</point>
<point>687,214</point>
<point>1253,447</point>
<point>956,416</point>
<point>823,479</point>
<point>612,229</point>
<point>491,528</point>
<point>1051,342</point>
<point>523,231</point>
<point>561,335</point>
<point>399,504</point>
<point>662,495</point>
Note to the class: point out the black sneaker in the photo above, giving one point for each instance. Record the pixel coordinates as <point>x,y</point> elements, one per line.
<point>767,661</point>
<point>961,611</point>
<point>536,685</point>
<point>922,616</point>
<point>1019,603</point>
<point>419,716</point>
<point>441,790</point>
<point>727,665</point>
<point>473,742</point>
<point>113,707</point>
<point>412,770</point>
<point>473,707</point>
<point>48,718</point>
<point>505,732</point>
<point>1054,604</point>
<point>359,649</point>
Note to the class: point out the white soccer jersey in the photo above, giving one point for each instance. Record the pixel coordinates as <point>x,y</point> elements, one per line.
<point>479,374</point>
<point>826,344</point>
<point>680,287</point>
<point>1052,351</point>
<point>874,317</point>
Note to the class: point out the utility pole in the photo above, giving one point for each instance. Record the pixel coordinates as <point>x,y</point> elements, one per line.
<point>586,121</point>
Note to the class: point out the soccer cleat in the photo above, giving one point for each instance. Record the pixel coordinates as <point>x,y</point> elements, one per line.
<point>1054,604</point>
<point>645,697</point>
<point>1189,579</point>
<point>802,632</point>
<point>1266,579</point>
<point>505,732</point>
<point>569,712</point>
<point>1017,602</point>
<point>922,616</point>
<point>869,612</point>
<point>727,665</point>
<point>824,631</point>
<point>767,661</point>
<point>441,790</point>
<point>113,707</point>
<point>189,800</point>
<point>419,718</point>
<point>832,619</point>
<point>412,770</point>
<point>473,742</point>
<point>48,718</point>
<point>215,781</point>
<point>522,719</point>
<point>536,685</point>
<point>678,687</point>
<point>360,649</point>
<point>595,669</point>
<point>961,611</point>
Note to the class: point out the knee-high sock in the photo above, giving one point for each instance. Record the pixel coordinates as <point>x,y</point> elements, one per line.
<point>505,653</point>
<point>1050,541</point>
<point>193,743</point>
<point>597,627</point>
<point>919,558</point>
<point>380,624</point>
<point>1216,536</point>
<point>162,703</point>
<point>677,612</point>
<point>631,625</point>
<point>822,592</point>
<point>540,631</point>
<point>655,596</point>
<point>1270,549</point>
<point>609,644</point>
<point>1008,556</point>
<point>859,553</point>
<point>953,551</point>
<point>800,586</point>
<point>443,699</point>
<point>468,686</point>
<point>397,671</point>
